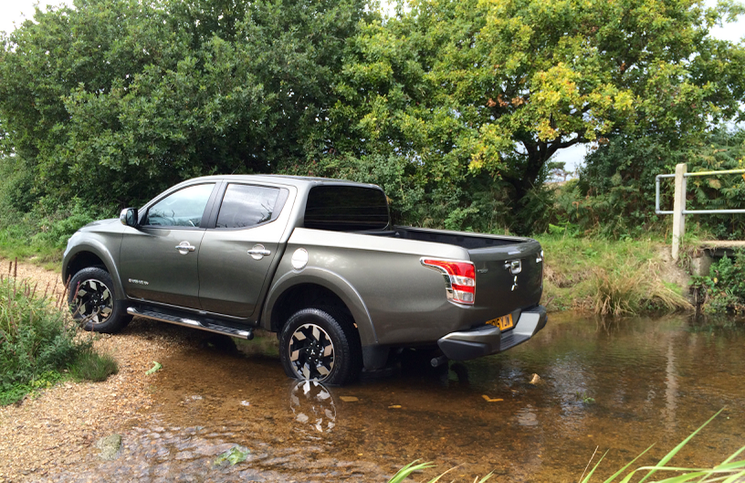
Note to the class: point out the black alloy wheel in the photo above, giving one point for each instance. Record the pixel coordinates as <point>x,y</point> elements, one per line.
<point>321,345</point>
<point>93,303</point>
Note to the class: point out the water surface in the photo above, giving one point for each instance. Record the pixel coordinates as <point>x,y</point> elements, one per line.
<point>617,386</point>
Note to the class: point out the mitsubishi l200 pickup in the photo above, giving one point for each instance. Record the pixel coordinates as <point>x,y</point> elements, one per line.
<point>316,261</point>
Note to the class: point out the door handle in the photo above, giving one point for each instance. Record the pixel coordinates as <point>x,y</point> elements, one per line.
<point>259,251</point>
<point>185,247</point>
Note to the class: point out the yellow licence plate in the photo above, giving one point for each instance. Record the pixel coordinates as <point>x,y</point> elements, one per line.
<point>505,322</point>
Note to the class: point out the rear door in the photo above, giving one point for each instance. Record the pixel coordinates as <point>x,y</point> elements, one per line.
<point>239,252</point>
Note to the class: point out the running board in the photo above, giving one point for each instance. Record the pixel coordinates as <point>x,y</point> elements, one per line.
<point>193,323</point>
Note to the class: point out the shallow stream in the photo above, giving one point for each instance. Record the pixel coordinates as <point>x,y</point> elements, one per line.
<point>617,387</point>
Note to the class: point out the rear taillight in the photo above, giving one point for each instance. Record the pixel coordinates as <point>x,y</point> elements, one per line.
<point>460,278</point>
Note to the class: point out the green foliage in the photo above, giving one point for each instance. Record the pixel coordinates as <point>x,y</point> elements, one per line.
<point>43,231</point>
<point>156,367</point>
<point>36,342</point>
<point>415,467</point>
<point>724,150</point>
<point>92,366</point>
<point>501,86</point>
<point>233,456</point>
<point>115,100</point>
<point>730,470</point>
<point>615,193</point>
<point>605,276</point>
<point>724,287</point>
<point>456,106</point>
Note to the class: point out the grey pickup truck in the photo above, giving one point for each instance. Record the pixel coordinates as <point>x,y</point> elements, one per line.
<point>315,260</point>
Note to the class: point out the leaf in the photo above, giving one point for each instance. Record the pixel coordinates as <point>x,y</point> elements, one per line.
<point>156,367</point>
<point>236,454</point>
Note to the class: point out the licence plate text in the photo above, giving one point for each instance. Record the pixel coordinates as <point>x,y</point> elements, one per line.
<point>505,322</point>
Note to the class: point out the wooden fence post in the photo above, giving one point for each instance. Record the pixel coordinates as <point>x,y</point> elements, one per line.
<point>679,204</point>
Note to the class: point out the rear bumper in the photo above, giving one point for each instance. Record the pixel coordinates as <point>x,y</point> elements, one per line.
<point>486,340</point>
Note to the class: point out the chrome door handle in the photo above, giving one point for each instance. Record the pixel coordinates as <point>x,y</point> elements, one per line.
<point>185,247</point>
<point>258,252</point>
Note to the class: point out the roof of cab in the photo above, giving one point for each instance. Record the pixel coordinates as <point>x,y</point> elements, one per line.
<point>304,181</point>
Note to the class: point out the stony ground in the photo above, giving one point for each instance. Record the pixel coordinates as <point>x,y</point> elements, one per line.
<point>59,427</point>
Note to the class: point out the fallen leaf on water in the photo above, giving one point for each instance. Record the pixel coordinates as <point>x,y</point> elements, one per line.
<point>236,454</point>
<point>488,399</point>
<point>535,379</point>
<point>349,398</point>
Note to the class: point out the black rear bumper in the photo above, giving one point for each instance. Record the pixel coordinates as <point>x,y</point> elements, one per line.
<point>488,339</point>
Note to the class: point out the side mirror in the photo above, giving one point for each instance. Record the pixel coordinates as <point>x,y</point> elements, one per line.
<point>129,217</point>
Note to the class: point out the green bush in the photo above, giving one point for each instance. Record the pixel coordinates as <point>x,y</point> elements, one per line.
<point>724,287</point>
<point>37,343</point>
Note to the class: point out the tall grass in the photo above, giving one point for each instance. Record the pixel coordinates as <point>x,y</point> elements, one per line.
<point>609,277</point>
<point>731,470</point>
<point>630,290</point>
<point>39,342</point>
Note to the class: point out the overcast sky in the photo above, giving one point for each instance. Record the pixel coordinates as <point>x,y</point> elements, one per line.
<point>18,10</point>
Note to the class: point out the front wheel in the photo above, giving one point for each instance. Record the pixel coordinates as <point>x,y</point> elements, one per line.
<point>93,303</point>
<point>320,345</point>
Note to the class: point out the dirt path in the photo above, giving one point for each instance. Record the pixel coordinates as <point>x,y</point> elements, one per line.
<point>59,427</point>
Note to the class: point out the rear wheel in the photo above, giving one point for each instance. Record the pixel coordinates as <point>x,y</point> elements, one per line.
<point>321,345</point>
<point>93,303</point>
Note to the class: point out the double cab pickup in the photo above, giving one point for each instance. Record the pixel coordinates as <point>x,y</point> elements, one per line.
<point>318,262</point>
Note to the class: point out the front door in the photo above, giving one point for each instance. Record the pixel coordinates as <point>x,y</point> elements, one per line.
<point>159,258</point>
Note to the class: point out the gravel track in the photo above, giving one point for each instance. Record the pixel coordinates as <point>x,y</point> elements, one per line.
<point>57,428</point>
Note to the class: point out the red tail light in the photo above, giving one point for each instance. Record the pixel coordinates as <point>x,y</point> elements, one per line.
<point>460,278</point>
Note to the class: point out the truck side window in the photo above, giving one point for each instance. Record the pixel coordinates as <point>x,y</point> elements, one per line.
<point>248,205</point>
<point>346,208</point>
<point>185,207</point>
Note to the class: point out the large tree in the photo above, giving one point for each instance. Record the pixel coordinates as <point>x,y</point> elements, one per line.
<point>502,85</point>
<point>114,99</point>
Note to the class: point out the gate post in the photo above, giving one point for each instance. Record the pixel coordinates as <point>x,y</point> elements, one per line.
<point>679,205</point>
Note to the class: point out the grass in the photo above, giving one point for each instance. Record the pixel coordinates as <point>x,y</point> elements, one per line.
<point>40,235</point>
<point>731,470</point>
<point>92,366</point>
<point>40,344</point>
<point>608,277</point>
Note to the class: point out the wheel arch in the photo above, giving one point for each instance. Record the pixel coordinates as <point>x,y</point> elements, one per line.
<point>316,287</point>
<point>92,255</point>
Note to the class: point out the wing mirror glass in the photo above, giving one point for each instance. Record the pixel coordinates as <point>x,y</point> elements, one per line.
<point>129,217</point>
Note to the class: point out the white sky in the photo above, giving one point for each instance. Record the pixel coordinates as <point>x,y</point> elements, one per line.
<point>14,12</point>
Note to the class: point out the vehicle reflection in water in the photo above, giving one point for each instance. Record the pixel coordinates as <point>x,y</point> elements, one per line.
<point>619,387</point>
<point>313,406</point>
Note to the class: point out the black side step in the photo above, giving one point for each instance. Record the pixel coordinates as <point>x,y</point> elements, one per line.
<point>193,323</point>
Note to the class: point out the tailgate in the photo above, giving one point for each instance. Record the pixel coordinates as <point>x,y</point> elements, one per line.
<point>508,277</point>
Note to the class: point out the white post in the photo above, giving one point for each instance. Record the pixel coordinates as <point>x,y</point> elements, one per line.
<point>679,204</point>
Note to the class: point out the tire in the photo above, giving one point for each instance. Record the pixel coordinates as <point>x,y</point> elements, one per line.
<point>93,302</point>
<point>321,345</point>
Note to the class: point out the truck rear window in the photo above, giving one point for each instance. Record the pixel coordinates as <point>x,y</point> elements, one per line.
<point>346,208</point>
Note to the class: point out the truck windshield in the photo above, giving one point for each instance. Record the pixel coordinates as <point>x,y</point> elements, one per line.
<point>346,208</point>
